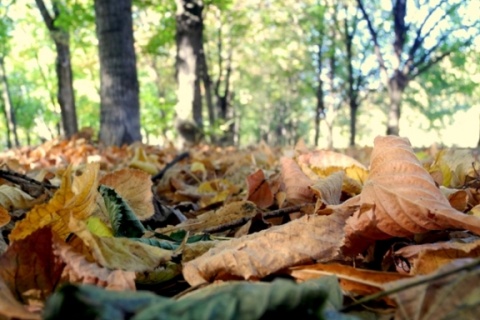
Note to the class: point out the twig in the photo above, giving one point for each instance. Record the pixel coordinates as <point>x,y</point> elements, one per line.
<point>284,211</point>
<point>178,158</point>
<point>378,295</point>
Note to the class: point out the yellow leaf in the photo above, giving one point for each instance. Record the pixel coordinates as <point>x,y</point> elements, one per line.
<point>141,161</point>
<point>96,226</point>
<point>76,197</point>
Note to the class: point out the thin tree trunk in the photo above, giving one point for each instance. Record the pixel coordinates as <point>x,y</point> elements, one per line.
<point>119,109</point>
<point>320,108</point>
<point>63,67</point>
<point>8,107</point>
<point>189,40</point>
<point>396,87</point>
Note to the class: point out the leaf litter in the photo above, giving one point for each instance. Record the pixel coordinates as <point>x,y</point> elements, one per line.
<point>143,232</point>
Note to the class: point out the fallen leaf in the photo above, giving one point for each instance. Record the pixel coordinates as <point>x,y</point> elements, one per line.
<point>456,296</point>
<point>135,187</point>
<point>296,182</point>
<point>400,199</point>
<point>259,191</point>
<point>353,280</point>
<point>29,267</point>
<point>10,308</point>
<point>4,217</point>
<point>427,258</point>
<point>76,197</point>
<point>229,216</point>
<point>141,161</point>
<point>121,253</point>
<point>15,198</point>
<point>78,269</point>
<point>310,238</point>
<point>329,190</point>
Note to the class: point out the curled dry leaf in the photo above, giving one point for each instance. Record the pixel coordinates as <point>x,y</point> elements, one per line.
<point>427,258</point>
<point>400,199</point>
<point>134,186</point>
<point>15,198</point>
<point>310,238</point>
<point>76,197</point>
<point>78,269</point>
<point>296,182</point>
<point>458,198</point>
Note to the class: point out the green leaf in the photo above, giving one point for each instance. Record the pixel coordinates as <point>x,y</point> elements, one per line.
<point>122,218</point>
<point>313,299</point>
<point>90,302</point>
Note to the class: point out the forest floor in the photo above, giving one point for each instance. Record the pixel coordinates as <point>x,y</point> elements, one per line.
<point>148,232</point>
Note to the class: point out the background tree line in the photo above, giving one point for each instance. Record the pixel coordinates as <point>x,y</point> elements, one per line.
<point>234,72</point>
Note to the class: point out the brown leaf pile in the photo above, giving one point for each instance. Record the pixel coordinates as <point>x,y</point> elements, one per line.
<point>249,214</point>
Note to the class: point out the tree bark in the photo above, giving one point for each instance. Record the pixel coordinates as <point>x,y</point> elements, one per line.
<point>9,112</point>
<point>189,40</point>
<point>119,104</point>
<point>63,67</point>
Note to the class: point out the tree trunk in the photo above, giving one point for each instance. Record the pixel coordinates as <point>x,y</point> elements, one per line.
<point>189,40</point>
<point>320,108</point>
<point>63,66</point>
<point>119,102</point>
<point>396,87</point>
<point>9,112</point>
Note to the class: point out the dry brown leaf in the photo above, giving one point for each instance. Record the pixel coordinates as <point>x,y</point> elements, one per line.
<point>329,190</point>
<point>134,186</point>
<point>400,199</point>
<point>10,308</point>
<point>4,217</point>
<point>78,269</point>
<point>453,165</point>
<point>310,238</point>
<point>230,215</point>
<point>29,267</point>
<point>458,198</point>
<point>296,182</point>
<point>427,258</point>
<point>15,198</point>
<point>353,280</point>
<point>76,197</point>
<point>451,297</point>
<point>259,191</point>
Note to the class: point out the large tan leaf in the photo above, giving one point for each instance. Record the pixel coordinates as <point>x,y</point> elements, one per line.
<point>121,253</point>
<point>307,239</point>
<point>78,269</point>
<point>29,267</point>
<point>296,182</point>
<point>427,258</point>
<point>76,196</point>
<point>400,199</point>
<point>134,186</point>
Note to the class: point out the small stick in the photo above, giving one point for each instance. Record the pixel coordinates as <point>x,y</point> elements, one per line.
<point>177,159</point>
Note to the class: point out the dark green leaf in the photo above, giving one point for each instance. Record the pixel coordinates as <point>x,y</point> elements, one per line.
<point>123,220</point>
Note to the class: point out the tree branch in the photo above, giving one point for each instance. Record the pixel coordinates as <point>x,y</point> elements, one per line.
<point>47,18</point>
<point>373,34</point>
